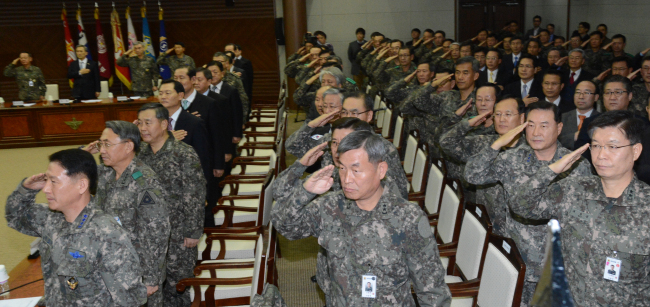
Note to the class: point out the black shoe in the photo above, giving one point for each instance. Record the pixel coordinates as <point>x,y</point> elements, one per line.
<point>313,278</point>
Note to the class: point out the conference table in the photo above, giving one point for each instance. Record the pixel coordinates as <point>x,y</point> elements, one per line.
<point>25,272</point>
<point>54,124</point>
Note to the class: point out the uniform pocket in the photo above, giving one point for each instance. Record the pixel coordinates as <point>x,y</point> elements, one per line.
<point>75,274</point>
<point>635,264</point>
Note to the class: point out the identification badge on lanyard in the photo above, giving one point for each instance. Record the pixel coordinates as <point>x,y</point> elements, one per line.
<point>369,286</point>
<point>31,83</point>
<point>612,268</point>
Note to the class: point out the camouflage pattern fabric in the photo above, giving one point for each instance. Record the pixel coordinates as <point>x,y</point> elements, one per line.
<point>144,73</point>
<point>234,81</point>
<point>31,82</point>
<point>399,90</point>
<point>639,101</point>
<point>174,62</point>
<point>270,298</point>
<point>597,62</point>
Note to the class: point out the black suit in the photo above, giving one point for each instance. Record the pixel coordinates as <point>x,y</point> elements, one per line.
<point>353,48</point>
<point>535,90</point>
<point>503,77</point>
<point>244,81</point>
<point>224,116</point>
<point>507,64</point>
<point>197,137</point>
<point>235,107</point>
<point>565,106</point>
<point>247,66</point>
<point>86,85</point>
<point>568,91</point>
<point>530,33</point>
<point>207,108</point>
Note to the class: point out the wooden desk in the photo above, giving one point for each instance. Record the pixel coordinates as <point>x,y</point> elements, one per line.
<point>68,124</point>
<point>26,271</point>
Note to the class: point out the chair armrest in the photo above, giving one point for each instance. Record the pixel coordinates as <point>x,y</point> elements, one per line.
<point>448,252</point>
<point>448,246</point>
<point>217,208</point>
<point>232,230</point>
<point>244,178</point>
<point>197,282</point>
<point>251,159</point>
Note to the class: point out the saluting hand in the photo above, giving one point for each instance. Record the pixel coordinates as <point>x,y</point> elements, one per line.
<point>561,61</point>
<point>634,74</point>
<point>92,147</point>
<point>321,181</point>
<point>497,44</point>
<point>410,77</point>
<point>313,154</point>
<point>480,119</point>
<point>567,161</point>
<point>603,75</point>
<point>438,82</point>
<point>505,139</point>
<point>323,119</point>
<point>35,182</point>
<point>389,59</point>
<point>463,110</point>
<point>15,62</point>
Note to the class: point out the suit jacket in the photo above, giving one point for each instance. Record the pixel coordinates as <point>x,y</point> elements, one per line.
<point>507,64</point>
<point>531,33</point>
<point>504,77</point>
<point>353,49</point>
<point>247,66</point>
<point>514,89</point>
<point>197,137</point>
<point>244,80</point>
<point>224,116</point>
<point>570,127</point>
<point>568,91</point>
<point>86,85</point>
<point>207,108</point>
<point>236,108</point>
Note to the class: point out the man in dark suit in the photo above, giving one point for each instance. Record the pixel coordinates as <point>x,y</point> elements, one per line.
<point>528,88</point>
<point>85,74</point>
<point>245,64</point>
<point>225,89</point>
<point>585,97</point>
<point>552,86</point>
<point>575,74</point>
<point>492,73</point>
<point>353,49</point>
<point>537,21</point>
<point>185,126</point>
<point>240,72</point>
<point>510,61</point>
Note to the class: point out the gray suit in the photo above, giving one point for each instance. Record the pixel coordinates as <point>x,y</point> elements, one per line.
<point>570,127</point>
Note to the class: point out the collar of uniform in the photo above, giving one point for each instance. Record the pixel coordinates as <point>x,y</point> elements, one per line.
<point>384,206</point>
<point>532,157</point>
<point>128,174</point>
<point>145,148</point>
<point>82,219</point>
<point>627,199</point>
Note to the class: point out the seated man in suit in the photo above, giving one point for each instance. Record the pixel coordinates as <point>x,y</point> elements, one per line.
<point>528,88</point>
<point>575,74</point>
<point>492,73</point>
<point>480,53</point>
<point>85,74</point>
<point>219,86</point>
<point>552,86</point>
<point>585,97</point>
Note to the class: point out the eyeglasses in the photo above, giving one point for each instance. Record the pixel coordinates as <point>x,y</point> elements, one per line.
<point>492,58</point>
<point>507,115</point>
<point>584,93</point>
<point>616,93</point>
<point>610,148</point>
<point>346,113</point>
<point>106,145</point>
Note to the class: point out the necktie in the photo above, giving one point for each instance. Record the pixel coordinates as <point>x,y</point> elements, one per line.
<point>582,119</point>
<point>185,104</point>
<point>213,88</point>
<point>491,77</point>
<point>524,92</point>
<point>170,124</point>
<point>516,61</point>
<point>572,80</point>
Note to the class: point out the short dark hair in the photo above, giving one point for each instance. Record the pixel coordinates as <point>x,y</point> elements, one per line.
<point>368,102</point>
<point>429,31</point>
<point>444,70</point>
<point>551,24</point>
<point>234,46</point>
<point>537,17</point>
<point>620,79</point>
<point>231,55</point>
<point>499,55</point>
<point>416,30</point>
<point>216,63</point>
<point>180,44</point>
<point>620,36</point>
<point>325,51</point>
<point>492,34</point>
<point>82,46</point>
<point>432,67</point>
<point>178,87</point>
<point>225,56</point>
<point>206,73</point>
<point>362,30</point>
<point>77,162</point>
<point>320,33</point>
<point>585,25</point>
<point>533,40</point>
<point>600,34</point>
<point>544,30</point>
<point>126,131</point>
<point>372,143</point>
<point>602,25</point>
<point>373,34</point>
<point>441,32</point>
<point>589,81</point>
<point>161,112</point>
<point>645,58</point>
<point>448,40</point>
<point>631,126</point>
<point>545,106</point>
<point>29,54</point>
<point>627,60</point>
<point>481,49</point>
<point>496,88</point>
<point>469,59</point>
<point>553,72</point>
<point>513,21</point>
<point>351,123</point>
<point>514,38</point>
<point>406,48</point>
<point>483,30</point>
<point>401,43</point>
<point>530,57</point>
<point>521,106</point>
<point>559,37</point>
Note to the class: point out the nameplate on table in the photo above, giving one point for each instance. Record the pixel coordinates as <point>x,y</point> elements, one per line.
<point>91,101</point>
<point>20,302</point>
<point>18,103</point>
<point>122,98</point>
<point>135,97</point>
<point>64,101</point>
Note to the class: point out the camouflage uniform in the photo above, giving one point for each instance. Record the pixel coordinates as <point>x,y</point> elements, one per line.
<point>424,121</point>
<point>293,66</point>
<point>597,62</point>
<point>513,168</point>
<point>594,227</point>
<point>399,90</point>
<point>136,202</point>
<point>234,81</point>
<point>639,101</point>
<point>93,249</point>
<point>270,298</point>
<point>144,74</point>
<point>393,241</point>
<point>185,185</point>
<point>174,62</point>
<point>25,76</point>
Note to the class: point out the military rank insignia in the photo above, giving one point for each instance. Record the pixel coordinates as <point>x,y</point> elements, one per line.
<point>72,283</point>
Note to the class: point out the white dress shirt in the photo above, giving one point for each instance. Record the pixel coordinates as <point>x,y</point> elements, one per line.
<point>83,63</point>
<point>587,115</point>
<point>577,74</point>
<point>556,101</point>
<point>217,88</point>
<point>175,118</point>
<point>190,98</point>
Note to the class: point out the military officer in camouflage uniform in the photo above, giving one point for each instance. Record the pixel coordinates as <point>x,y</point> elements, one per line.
<point>178,60</point>
<point>31,83</point>
<point>297,62</point>
<point>328,76</point>
<point>366,229</point>
<point>144,71</point>
<point>513,167</point>
<point>597,59</point>
<point>641,91</point>
<point>459,144</point>
<point>604,218</point>
<point>131,192</point>
<point>398,90</point>
<point>182,176</point>
<point>87,257</point>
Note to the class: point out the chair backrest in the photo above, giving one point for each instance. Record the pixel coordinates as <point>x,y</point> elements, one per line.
<point>435,185</point>
<point>258,269</point>
<point>472,242</point>
<point>450,212</point>
<point>270,254</point>
<point>379,118</point>
<point>263,213</point>
<point>385,127</point>
<point>411,149</point>
<point>420,167</point>
<point>104,89</point>
<point>397,136</point>
<point>377,99</point>
<point>268,202</point>
<point>503,274</point>
<point>52,90</point>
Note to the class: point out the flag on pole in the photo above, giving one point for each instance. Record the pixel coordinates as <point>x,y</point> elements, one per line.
<point>102,54</point>
<point>165,72</point>
<point>82,41</point>
<point>130,31</point>
<point>122,72</point>
<point>146,36</point>
<point>69,44</point>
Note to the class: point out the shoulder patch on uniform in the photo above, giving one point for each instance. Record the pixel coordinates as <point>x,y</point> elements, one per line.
<point>147,199</point>
<point>136,175</point>
<point>317,136</point>
<point>350,80</point>
<point>423,227</point>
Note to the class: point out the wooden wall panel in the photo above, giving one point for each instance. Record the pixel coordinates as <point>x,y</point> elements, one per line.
<point>205,26</point>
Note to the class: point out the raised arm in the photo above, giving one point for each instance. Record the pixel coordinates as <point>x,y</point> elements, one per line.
<point>21,213</point>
